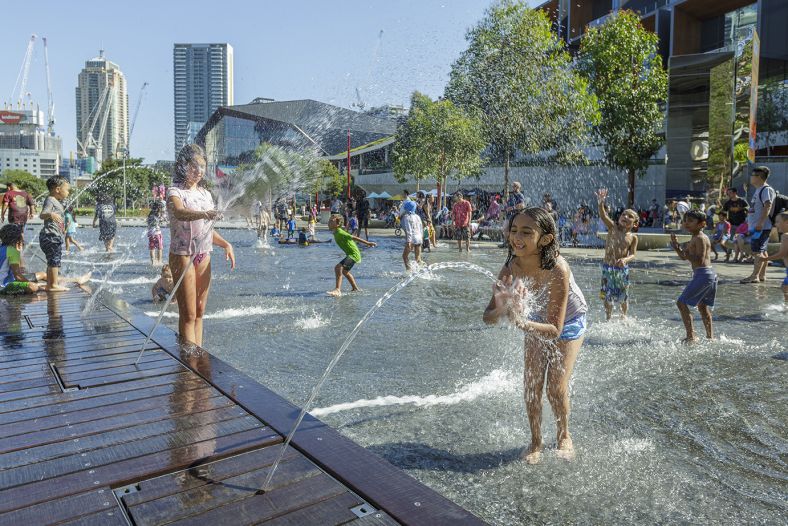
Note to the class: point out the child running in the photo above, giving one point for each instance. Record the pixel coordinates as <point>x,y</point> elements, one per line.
<point>346,242</point>
<point>411,225</point>
<point>781,222</point>
<point>554,332</point>
<point>620,248</point>
<point>702,290</point>
<point>71,229</point>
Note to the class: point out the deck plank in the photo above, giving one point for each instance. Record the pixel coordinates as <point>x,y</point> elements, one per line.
<point>332,511</point>
<point>58,510</point>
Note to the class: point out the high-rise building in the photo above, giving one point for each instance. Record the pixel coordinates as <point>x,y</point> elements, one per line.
<point>25,143</point>
<point>203,81</point>
<point>102,110</point>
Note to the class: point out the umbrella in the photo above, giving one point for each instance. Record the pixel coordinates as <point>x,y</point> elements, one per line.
<point>385,195</point>
<point>397,198</point>
<point>373,195</point>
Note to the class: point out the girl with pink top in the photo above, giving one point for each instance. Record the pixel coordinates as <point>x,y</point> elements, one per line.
<point>192,214</point>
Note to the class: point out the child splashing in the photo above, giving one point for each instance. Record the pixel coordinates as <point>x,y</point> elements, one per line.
<point>553,333</point>
<point>191,212</point>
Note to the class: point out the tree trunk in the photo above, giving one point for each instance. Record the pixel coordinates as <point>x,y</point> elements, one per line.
<point>506,177</point>
<point>631,188</point>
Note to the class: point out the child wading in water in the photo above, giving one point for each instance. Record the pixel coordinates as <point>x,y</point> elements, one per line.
<point>191,212</point>
<point>781,222</point>
<point>553,333</point>
<point>702,290</point>
<point>620,248</point>
<point>346,242</point>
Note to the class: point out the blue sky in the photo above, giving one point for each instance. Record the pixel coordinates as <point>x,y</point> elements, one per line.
<point>289,49</point>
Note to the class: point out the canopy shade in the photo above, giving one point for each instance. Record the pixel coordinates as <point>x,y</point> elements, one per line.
<point>373,195</point>
<point>385,195</point>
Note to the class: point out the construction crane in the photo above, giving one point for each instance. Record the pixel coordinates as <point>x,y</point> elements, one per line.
<point>359,101</point>
<point>50,99</point>
<point>136,112</point>
<point>99,111</point>
<point>21,79</point>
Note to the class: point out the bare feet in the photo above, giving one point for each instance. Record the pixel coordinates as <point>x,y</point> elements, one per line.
<point>56,289</point>
<point>83,278</point>
<point>750,279</point>
<point>356,290</point>
<point>689,340</point>
<point>532,455</point>
<point>336,293</point>
<point>566,450</point>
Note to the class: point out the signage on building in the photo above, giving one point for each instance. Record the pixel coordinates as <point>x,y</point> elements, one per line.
<point>756,53</point>
<point>10,117</point>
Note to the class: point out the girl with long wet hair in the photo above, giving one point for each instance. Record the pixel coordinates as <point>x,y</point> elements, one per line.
<point>554,330</point>
<point>191,212</point>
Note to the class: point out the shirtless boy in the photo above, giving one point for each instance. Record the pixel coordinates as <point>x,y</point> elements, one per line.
<point>620,248</point>
<point>702,289</point>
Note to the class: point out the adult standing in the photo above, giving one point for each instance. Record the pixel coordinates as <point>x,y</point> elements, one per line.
<point>736,207</point>
<point>427,208</point>
<point>191,211</point>
<point>461,215</point>
<point>105,215</point>
<point>515,203</point>
<point>362,214</point>
<point>19,204</point>
<point>547,198</point>
<point>760,225</point>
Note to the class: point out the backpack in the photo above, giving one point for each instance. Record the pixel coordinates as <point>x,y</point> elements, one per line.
<point>780,204</point>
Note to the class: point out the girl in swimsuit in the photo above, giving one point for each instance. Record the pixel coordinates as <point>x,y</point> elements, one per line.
<point>191,212</point>
<point>553,333</point>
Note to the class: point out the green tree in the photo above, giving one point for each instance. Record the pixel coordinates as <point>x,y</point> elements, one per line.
<point>517,76</point>
<point>621,61</point>
<point>436,141</point>
<point>331,180</point>
<point>24,180</point>
<point>139,181</point>
<point>278,172</point>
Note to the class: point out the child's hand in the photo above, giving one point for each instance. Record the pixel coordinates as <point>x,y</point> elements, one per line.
<point>601,194</point>
<point>229,255</point>
<point>674,242</point>
<point>211,215</point>
<point>620,262</point>
<point>371,244</point>
<point>56,218</point>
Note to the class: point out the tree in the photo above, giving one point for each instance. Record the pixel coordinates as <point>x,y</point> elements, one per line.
<point>517,77</point>
<point>278,172</point>
<point>437,140</point>
<point>621,61</point>
<point>139,180</point>
<point>26,181</point>
<point>331,181</point>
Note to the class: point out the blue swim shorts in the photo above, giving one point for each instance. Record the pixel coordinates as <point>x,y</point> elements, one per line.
<point>785,281</point>
<point>701,289</point>
<point>574,329</point>
<point>759,240</point>
<point>615,284</point>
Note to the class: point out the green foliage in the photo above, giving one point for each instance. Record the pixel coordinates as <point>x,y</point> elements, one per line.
<point>621,62</point>
<point>278,172</point>
<point>331,180</point>
<point>436,141</point>
<point>139,181</point>
<point>517,76</point>
<point>24,180</point>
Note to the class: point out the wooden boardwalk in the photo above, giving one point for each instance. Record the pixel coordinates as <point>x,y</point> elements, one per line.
<point>88,437</point>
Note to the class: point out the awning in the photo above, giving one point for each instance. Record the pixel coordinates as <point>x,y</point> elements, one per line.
<point>385,195</point>
<point>373,195</point>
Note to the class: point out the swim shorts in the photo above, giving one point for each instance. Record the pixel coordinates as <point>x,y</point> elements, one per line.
<point>785,281</point>
<point>15,287</point>
<point>758,243</point>
<point>347,263</point>
<point>574,329</point>
<point>155,241</point>
<point>462,233</point>
<point>52,246</point>
<point>701,289</point>
<point>615,284</point>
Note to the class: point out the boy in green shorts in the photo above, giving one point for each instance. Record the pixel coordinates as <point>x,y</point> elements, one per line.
<point>346,242</point>
<point>12,281</point>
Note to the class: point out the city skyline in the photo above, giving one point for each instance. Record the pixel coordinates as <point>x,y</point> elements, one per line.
<point>306,50</point>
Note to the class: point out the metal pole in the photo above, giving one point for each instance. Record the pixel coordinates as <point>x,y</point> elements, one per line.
<point>348,164</point>
<point>126,154</point>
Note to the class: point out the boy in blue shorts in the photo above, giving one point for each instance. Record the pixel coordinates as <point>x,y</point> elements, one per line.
<point>702,289</point>
<point>346,242</point>
<point>291,227</point>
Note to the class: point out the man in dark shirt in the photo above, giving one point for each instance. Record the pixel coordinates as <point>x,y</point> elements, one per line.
<point>362,214</point>
<point>736,207</point>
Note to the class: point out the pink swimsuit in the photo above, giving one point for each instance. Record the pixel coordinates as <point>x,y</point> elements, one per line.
<point>191,238</point>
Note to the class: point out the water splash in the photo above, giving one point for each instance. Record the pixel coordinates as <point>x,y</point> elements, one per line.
<point>458,265</point>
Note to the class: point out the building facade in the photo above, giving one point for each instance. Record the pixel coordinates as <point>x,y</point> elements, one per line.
<point>25,143</point>
<point>202,82</point>
<point>102,105</point>
<point>728,88</point>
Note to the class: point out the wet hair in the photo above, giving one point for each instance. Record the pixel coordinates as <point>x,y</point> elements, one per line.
<point>632,213</point>
<point>56,181</point>
<point>761,171</point>
<point>10,235</point>
<point>697,215</point>
<point>188,154</point>
<point>544,222</point>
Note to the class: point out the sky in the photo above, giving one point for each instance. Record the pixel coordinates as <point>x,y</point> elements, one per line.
<point>285,50</point>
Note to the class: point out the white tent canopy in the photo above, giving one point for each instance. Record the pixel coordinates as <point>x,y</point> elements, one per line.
<point>384,195</point>
<point>373,195</point>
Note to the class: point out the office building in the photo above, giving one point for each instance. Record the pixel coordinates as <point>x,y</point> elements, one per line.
<point>25,143</point>
<point>202,82</point>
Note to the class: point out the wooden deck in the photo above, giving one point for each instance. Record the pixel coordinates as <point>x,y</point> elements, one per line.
<point>87,437</point>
